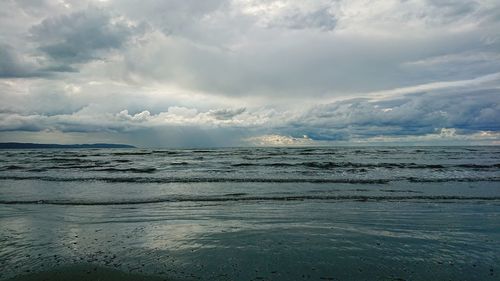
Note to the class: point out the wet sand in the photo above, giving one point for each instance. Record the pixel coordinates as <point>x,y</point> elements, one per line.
<point>85,272</point>
<point>292,240</point>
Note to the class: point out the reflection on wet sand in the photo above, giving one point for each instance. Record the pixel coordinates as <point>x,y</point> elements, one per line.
<point>257,240</point>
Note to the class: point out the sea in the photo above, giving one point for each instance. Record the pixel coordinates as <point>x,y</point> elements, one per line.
<point>280,213</point>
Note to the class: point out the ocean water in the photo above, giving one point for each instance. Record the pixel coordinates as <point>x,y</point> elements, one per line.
<point>343,213</point>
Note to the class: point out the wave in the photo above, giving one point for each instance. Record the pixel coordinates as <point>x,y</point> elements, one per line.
<point>478,166</point>
<point>242,197</point>
<point>331,165</point>
<point>132,153</point>
<point>12,167</point>
<point>194,179</point>
<point>65,159</point>
<point>127,170</point>
<point>122,160</point>
<point>245,179</point>
<point>58,163</point>
<point>76,166</point>
<point>264,164</point>
<point>167,152</point>
<point>471,179</point>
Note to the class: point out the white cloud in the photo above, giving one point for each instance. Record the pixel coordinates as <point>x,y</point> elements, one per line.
<point>279,140</point>
<point>443,136</point>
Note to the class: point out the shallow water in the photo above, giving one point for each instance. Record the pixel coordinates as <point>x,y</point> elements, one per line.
<point>375,213</point>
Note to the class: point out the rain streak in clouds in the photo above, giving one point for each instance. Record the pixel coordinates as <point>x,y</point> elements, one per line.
<point>229,73</point>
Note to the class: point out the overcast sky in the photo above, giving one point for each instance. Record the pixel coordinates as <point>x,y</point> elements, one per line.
<point>250,72</point>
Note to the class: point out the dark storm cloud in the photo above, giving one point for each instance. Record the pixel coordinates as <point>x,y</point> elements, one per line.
<point>224,114</point>
<point>413,114</point>
<point>59,68</point>
<point>81,36</point>
<point>12,65</point>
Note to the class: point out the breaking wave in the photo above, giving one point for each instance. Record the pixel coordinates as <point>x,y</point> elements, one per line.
<point>242,197</point>
<point>195,179</point>
<point>243,180</point>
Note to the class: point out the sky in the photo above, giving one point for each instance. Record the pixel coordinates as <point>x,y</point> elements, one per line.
<point>162,73</point>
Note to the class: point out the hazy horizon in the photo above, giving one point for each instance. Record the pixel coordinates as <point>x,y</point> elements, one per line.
<point>242,146</point>
<point>231,73</point>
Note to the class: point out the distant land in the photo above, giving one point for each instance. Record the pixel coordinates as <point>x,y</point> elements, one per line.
<point>19,145</point>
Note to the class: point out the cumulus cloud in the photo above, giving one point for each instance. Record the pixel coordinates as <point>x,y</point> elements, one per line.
<point>444,136</point>
<point>460,113</point>
<point>279,140</point>
<point>87,119</point>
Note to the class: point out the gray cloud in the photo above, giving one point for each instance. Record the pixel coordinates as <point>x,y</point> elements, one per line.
<point>467,111</point>
<point>179,18</point>
<point>447,11</point>
<point>463,110</point>
<point>12,65</point>
<point>81,36</point>
<point>320,18</point>
<point>264,70</point>
<point>225,114</point>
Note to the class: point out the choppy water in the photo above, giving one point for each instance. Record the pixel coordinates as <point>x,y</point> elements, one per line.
<point>372,213</point>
